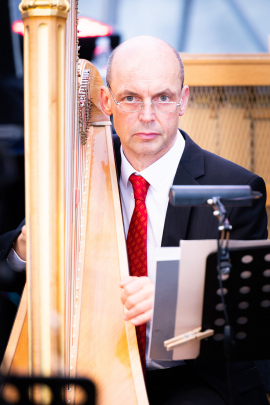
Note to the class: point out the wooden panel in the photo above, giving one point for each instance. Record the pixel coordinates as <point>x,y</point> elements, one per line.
<point>268,195</point>
<point>232,122</point>
<point>234,139</point>
<point>262,149</point>
<point>227,70</point>
<point>200,124</point>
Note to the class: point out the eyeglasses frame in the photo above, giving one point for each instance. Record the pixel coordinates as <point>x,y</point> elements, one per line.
<point>143,104</point>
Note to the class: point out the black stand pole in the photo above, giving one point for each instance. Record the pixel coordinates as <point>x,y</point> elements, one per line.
<point>224,265</point>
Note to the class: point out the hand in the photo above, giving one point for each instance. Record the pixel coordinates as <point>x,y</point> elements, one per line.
<point>137,296</point>
<point>20,244</point>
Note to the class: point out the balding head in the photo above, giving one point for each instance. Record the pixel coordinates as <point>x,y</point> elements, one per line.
<point>145,75</point>
<point>143,49</point>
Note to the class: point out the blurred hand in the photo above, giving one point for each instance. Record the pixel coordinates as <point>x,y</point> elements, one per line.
<point>20,244</point>
<point>137,296</point>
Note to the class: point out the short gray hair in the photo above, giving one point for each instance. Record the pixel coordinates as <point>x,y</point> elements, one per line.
<point>110,60</point>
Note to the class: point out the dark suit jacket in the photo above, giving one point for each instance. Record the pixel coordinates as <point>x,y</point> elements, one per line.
<point>14,280</point>
<point>200,167</point>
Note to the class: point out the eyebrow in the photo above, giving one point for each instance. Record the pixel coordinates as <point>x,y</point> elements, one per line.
<point>127,92</point>
<point>166,91</point>
<point>132,93</point>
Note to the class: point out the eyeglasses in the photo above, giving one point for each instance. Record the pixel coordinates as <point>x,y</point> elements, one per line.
<point>129,107</point>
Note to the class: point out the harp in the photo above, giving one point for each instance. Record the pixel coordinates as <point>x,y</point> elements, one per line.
<point>70,315</point>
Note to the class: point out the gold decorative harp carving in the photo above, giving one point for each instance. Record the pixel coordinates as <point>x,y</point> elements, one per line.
<point>70,315</point>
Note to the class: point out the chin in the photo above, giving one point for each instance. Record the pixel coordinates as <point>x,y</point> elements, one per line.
<point>148,148</point>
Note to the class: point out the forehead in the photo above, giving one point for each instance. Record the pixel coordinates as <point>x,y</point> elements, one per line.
<point>146,71</point>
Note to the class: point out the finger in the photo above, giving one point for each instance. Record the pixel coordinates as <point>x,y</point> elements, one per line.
<point>139,309</point>
<point>126,280</point>
<point>133,300</point>
<point>21,238</point>
<point>142,286</point>
<point>135,284</point>
<point>131,296</point>
<point>24,230</point>
<point>143,318</point>
<point>130,289</point>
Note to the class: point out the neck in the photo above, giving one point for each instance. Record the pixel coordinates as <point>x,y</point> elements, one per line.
<point>141,161</point>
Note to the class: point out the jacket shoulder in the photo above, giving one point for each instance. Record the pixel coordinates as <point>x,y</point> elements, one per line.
<point>226,171</point>
<point>7,240</point>
<point>210,169</point>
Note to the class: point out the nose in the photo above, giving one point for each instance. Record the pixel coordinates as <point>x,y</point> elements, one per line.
<point>147,113</point>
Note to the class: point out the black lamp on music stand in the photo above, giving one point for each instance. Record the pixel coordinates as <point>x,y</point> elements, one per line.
<point>242,321</point>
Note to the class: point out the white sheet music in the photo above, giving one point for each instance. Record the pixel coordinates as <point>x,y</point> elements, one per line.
<point>189,305</point>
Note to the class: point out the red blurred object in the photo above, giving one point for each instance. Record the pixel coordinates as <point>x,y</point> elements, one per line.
<point>87,28</point>
<point>18,27</point>
<point>92,28</point>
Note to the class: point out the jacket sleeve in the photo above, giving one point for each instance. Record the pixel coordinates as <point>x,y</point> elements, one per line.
<point>251,222</point>
<point>10,280</point>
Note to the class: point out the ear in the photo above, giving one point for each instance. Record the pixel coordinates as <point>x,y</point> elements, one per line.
<point>185,95</point>
<point>105,100</point>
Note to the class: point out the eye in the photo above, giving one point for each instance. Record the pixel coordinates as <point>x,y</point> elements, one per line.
<point>163,99</point>
<point>130,99</point>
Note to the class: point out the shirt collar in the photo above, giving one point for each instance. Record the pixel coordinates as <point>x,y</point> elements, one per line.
<point>158,173</point>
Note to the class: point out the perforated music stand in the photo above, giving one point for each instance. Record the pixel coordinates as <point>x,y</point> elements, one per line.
<point>247,298</point>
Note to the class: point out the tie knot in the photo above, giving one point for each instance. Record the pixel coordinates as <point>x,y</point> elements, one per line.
<point>140,187</point>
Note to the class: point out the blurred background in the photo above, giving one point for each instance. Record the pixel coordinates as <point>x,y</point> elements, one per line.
<point>195,26</point>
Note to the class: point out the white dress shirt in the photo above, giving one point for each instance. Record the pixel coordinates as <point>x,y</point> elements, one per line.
<point>160,176</point>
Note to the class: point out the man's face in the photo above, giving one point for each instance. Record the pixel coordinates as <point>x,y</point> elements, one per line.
<point>146,79</point>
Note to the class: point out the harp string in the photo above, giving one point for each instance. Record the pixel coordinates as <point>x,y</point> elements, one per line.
<point>77,176</point>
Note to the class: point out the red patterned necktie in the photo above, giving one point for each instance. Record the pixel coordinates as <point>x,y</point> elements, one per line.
<point>137,247</point>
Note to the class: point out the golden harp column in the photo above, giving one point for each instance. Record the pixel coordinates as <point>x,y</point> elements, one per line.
<point>44,59</point>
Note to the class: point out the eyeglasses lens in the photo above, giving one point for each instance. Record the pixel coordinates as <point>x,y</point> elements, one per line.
<point>162,107</point>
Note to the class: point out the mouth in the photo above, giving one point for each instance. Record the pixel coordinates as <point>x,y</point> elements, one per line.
<point>147,135</point>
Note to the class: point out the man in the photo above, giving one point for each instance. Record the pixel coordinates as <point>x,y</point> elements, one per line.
<point>146,95</point>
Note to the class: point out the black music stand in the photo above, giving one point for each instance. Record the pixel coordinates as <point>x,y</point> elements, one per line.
<point>247,296</point>
<point>237,283</point>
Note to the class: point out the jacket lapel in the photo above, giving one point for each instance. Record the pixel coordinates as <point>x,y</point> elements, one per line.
<point>117,154</point>
<point>190,168</point>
